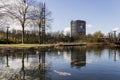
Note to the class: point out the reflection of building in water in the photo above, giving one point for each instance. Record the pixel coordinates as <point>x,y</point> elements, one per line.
<point>78,57</point>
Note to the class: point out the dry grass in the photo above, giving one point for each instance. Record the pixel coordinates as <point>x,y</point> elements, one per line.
<point>26,45</point>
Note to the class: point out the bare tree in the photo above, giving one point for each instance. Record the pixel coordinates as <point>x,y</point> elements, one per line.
<point>20,11</point>
<point>24,13</point>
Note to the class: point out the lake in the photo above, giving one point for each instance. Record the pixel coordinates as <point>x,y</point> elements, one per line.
<point>64,63</point>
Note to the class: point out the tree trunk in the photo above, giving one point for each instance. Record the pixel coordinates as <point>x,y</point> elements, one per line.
<point>22,33</point>
<point>39,35</point>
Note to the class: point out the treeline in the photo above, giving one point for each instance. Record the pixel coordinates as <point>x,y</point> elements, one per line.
<point>98,36</point>
<point>14,36</point>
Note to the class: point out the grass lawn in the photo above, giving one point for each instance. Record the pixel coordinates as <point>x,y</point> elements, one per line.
<point>26,45</point>
<point>38,45</point>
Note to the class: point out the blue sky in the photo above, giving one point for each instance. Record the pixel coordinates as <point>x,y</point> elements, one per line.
<point>103,15</point>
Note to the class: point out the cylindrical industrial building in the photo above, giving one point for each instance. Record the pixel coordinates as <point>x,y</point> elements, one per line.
<point>78,28</point>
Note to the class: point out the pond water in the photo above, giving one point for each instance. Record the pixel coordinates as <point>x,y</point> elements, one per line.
<point>68,63</point>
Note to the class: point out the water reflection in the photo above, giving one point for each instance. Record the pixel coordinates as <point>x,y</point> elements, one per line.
<point>66,63</point>
<point>78,57</point>
<point>114,54</point>
<point>7,62</point>
<point>25,65</point>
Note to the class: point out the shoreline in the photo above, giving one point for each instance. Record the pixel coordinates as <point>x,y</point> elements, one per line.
<point>51,45</point>
<point>20,46</point>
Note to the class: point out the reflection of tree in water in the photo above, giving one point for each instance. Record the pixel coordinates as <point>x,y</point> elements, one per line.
<point>96,49</point>
<point>78,57</point>
<point>35,72</point>
<point>7,61</point>
<point>114,54</point>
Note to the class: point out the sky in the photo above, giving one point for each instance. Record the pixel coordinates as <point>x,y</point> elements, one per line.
<point>100,15</point>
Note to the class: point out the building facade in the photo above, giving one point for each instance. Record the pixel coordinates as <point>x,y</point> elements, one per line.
<point>78,28</point>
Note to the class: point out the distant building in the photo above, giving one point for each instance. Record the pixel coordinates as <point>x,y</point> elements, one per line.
<point>78,28</point>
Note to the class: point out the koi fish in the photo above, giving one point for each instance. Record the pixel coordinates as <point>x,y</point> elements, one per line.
<point>62,73</point>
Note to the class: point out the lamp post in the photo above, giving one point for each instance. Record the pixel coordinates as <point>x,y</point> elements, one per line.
<point>7,34</point>
<point>114,34</point>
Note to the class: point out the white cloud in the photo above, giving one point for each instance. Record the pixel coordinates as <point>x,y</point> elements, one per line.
<point>89,25</point>
<point>67,30</point>
<point>115,29</point>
